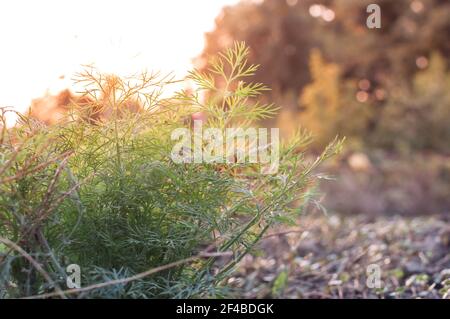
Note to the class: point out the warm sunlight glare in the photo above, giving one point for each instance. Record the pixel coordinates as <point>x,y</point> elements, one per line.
<point>43,43</point>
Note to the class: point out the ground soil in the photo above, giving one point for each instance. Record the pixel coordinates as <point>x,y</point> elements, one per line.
<point>328,257</point>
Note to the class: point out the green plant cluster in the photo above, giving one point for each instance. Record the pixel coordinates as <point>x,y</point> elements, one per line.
<point>103,192</point>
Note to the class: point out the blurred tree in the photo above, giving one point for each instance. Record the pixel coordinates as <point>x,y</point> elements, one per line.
<point>410,29</point>
<point>371,81</point>
<point>282,33</point>
<point>278,35</point>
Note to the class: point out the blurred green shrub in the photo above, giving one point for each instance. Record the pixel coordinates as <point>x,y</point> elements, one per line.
<point>413,117</point>
<point>329,104</point>
<point>416,115</point>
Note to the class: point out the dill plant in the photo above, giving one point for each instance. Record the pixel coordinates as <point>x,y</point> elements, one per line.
<point>102,191</point>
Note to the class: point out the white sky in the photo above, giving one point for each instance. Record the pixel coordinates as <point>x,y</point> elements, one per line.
<point>41,40</point>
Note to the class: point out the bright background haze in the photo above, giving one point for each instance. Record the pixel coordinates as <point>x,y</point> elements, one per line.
<point>43,43</point>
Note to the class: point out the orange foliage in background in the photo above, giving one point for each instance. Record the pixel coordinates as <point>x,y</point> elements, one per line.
<point>51,109</point>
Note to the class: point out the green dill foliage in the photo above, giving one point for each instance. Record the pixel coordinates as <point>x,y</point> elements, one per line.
<point>100,189</point>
